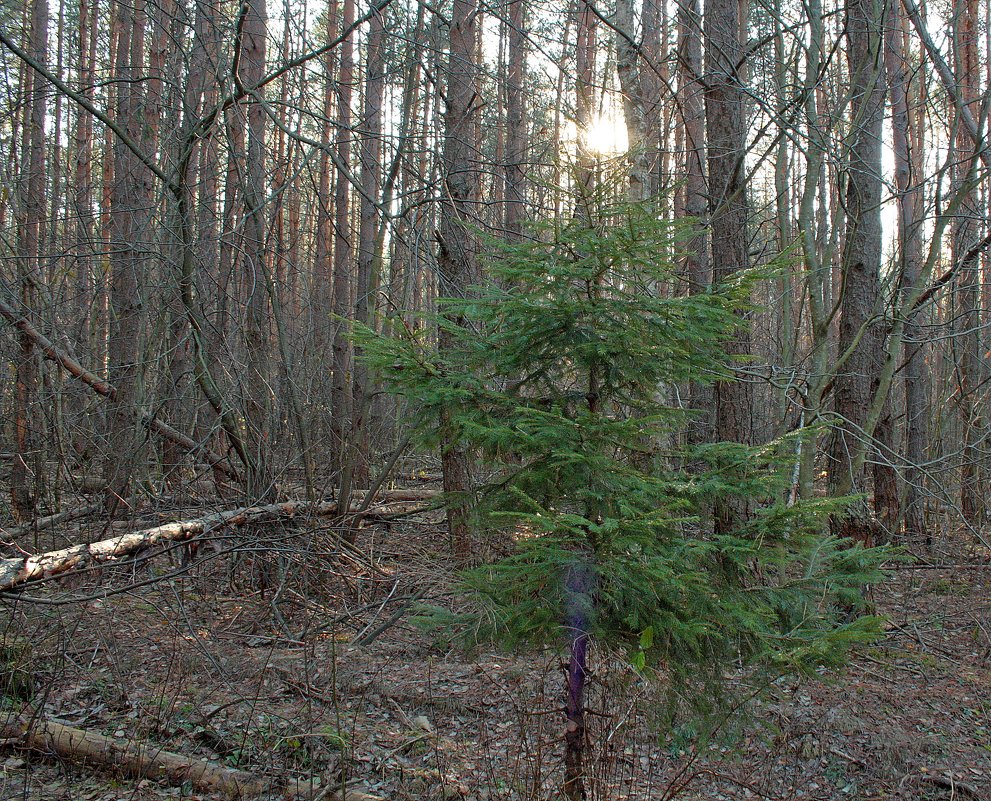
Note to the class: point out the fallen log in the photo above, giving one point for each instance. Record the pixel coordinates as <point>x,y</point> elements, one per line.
<point>22,569</point>
<point>132,758</point>
<point>109,391</point>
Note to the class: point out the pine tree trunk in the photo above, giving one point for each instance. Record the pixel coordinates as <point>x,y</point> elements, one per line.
<point>340,395</point>
<point>130,192</point>
<point>260,486</point>
<point>966,231</point>
<point>321,281</point>
<point>586,52</point>
<point>660,112</point>
<point>697,267</point>
<point>815,239</point>
<point>101,314</point>
<point>908,172</point>
<point>725,117</point>
<point>82,195</point>
<point>860,334</point>
<point>629,71</point>
<point>515,146</point>
<point>368,255</point>
<point>26,472</point>
<point>456,260</point>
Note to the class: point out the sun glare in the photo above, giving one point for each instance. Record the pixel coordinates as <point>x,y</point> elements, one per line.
<point>606,135</point>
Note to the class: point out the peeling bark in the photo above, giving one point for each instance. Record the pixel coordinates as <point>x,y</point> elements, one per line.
<point>17,571</point>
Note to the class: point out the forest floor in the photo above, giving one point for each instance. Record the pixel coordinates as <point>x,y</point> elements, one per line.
<point>250,661</point>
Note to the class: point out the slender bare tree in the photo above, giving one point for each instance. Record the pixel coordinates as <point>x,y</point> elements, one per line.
<point>27,470</point>
<point>251,68</point>
<point>370,127</point>
<point>909,183</point>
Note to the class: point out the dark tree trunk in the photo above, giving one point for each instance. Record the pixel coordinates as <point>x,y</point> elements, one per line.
<point>260,481</point>
<point>130,193</point>
<point>697,267</point>
<point>586,37</point>
<point>908,181</point>
<point>515,168</point>
<point>368,255</point>
<point>966,232</point>
<point>726,119</point>
<point>860,333</point>
<point>340,395</point>
<point>26,472</point>
<point>456,259</point>
<point>579,592</point>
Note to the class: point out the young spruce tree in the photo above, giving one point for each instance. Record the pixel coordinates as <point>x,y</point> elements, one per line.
<point>557,381</point>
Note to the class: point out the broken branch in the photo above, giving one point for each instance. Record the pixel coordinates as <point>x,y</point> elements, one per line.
<point>109,391</point>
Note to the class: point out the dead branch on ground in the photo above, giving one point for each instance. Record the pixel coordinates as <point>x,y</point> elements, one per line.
<point>20,570</point>
<point>133,758</point>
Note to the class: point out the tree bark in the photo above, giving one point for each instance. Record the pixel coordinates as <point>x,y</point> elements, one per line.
<point>725,116</point>
<point>579,592</point>
<point>128,228</point>
<point>697,266</point>
<point>908,181</point>
<point>340,395</point>
<point>26,472</point>
<point>456,260</point>
<point>368,254</point>
<point>516,129</point>
<point>860,330</point>
<point>260,483</point>
<point>630,72</point>
<point>82,195</point>
<point>586,51</point>
<point>323,264</point>
<point>966,231</point>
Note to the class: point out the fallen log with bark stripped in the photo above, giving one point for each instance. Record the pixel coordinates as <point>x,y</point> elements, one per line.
<point>132,758</point>
<point>22,569</point>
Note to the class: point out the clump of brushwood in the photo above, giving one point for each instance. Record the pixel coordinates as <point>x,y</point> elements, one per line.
<point>558,381</point>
